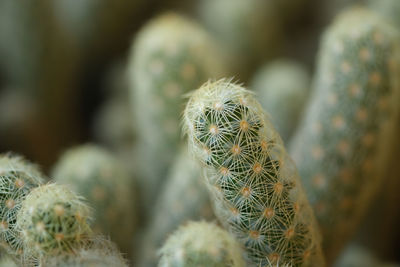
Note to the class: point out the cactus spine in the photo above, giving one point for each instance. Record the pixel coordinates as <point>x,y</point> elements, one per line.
<point>52,220</point>
<point>97,175</point>
<point>170,56</point>
<point>342,147</point>
<point>184,197</point>
<point>17,178</point>
<point>282,87</point>
<point>201,244</point>
<point>256,191</point>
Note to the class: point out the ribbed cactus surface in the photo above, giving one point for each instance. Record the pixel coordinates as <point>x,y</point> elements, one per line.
<point>201,244</point>
<point>256,190</point>
<point>17,178</point>
<point>96,174</point>
<point>341,148</point>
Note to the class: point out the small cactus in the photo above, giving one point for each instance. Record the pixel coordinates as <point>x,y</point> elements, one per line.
<point>201,244</point>
<point>52,220</point>
<point>184,197</point>
<point>17,178</point>
<point>97,175</point>
<point>341,148</point>
<point>282,87</point>
<point>256,190</point>
<point>170,56</point>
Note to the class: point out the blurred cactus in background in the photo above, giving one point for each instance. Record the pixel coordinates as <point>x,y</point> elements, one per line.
<point>96,174</point>
<point>256,191</point>
<point>17,178</point>
<point>341,148</point>
<point>282,88</point>
<point>201,244</point>
<point>184,197</point>
<point>170,56</point>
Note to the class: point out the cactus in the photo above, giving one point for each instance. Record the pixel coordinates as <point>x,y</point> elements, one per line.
<point>256,191</point>
<point>201,244</point>
<point>17,178</point>
<point>97,175</point>
<point>170,56</point>
<point>184,197</point>
<point>388,8</point>
<point>342,146</point>
<point>282,87</point>
<point>52,220</point>
<point>100,252</point>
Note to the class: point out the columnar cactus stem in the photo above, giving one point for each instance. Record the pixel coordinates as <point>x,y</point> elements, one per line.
<point>97,175</point>
<point>256,190</point>
<point>52,220</point>
<point>17,178</point>
<point>201,244</point>
<point>170,56</point>
<point>342,146</point>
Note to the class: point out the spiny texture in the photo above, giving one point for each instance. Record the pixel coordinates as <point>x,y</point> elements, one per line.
<point>341,148</point>
<point>201,244</point>
<point>101,253</point>
<point>184,197</point>
<point>282,88</point>
<point>250,31</point>
<point>96,174</point>
<point>17,178</point>
<point>256,189</point>
<point>170,56</point>
<point>52,220</point>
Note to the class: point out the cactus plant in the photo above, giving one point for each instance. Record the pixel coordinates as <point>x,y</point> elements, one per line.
<point>17,178</point>
<point>184,197</point>
<point>170,56</point>
<point>96,174</point>
<point>52,220</point>
<point>256,190</point>
<point>342,147</point>
<point>388,8</point>
<point>201,244</point>
<point>282,87</point>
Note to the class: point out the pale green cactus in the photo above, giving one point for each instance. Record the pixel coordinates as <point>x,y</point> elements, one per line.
<point>341,148</point>
<point>388,8</point>
<point>256,190</point>
<point>282,87</point>
<point>201,244</point>
<point>52,220</point>
<point>183,198</point>
<point>170,56</point>
<point>100,253</point>
<point>97,175</point>
<point>17,178</point>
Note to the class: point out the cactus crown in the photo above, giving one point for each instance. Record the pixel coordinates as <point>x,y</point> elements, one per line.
<point>201,243</point>
<point>52,220</point>
<point>17,178</point>
<point>257,192</point>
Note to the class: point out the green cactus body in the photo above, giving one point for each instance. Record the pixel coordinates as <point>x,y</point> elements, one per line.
<point>249,30</point>
<point>341,148</point>
<point>101,253</point>
<point>201,244</point>
<point>97,175</point>
<point>170,56</point>
<point>282,87</point>
<point>184,197</point>
<point>388,8</point>
<point>52,220</point>
<point>17,178</point>
<point>256,191</point>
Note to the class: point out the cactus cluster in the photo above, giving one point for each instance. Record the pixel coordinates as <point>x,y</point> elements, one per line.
<point>97,175</point>
<point>170,56</point>
<point>201,244</point>
<point>18,178</point>
<point>256,190</point>
<point>282,88</point>
<point>342,147</point>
